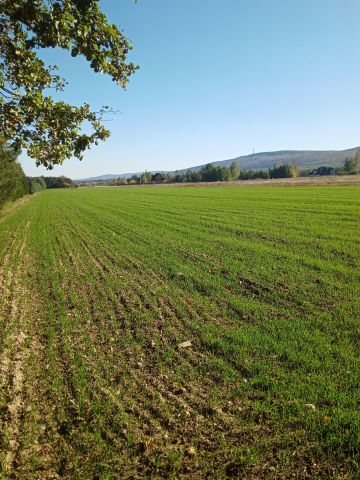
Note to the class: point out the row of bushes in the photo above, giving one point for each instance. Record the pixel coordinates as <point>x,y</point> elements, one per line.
<point>14,183</point>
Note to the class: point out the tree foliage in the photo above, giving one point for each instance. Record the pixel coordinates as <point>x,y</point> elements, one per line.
<point>36,184</point>
<point>146,177</point>
<point>254,174</point>
<point>209,173</point>
<point>283,171</point>
<point>58,182</point>
<point>157,178</point>
<point>235,170</point>
<point>13,182</point>
<point>51,130</point>
<point>352,165</point>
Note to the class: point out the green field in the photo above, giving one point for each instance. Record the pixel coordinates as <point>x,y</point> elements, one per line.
<point>100,287</point>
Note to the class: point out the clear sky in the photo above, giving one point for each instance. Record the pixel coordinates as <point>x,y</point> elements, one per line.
<point>219,77</point>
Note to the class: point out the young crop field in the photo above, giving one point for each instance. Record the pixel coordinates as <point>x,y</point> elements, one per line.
<point>181,332</point>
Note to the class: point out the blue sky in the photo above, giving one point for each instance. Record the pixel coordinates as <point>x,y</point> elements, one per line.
<point>219,77</point>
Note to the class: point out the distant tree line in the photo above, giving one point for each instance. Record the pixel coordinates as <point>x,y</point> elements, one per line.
<point>208,173</point>
<point>58,182</point>
<point>212,173</point>
<point>14,183</point>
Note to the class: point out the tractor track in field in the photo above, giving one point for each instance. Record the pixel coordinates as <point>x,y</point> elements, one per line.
<point>20,384</point>
<point>9,306</point>
<point>14,355</point>
<point>5,275</point>
<point>6,292</point>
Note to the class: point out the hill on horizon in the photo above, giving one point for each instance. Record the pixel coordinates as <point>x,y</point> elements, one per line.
<point>304,159</point>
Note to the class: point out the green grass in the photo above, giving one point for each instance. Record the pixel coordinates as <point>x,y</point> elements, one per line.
<point>106,283</point>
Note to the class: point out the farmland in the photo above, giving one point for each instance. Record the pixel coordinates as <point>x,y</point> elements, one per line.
<point>181,332</point>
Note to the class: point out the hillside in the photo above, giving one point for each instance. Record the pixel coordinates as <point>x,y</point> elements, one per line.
<point>305,159</point>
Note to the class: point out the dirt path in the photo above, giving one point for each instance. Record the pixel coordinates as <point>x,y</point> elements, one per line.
<point>16,350</point>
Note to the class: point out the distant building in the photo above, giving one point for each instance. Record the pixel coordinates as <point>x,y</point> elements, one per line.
<point>322,171</point>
